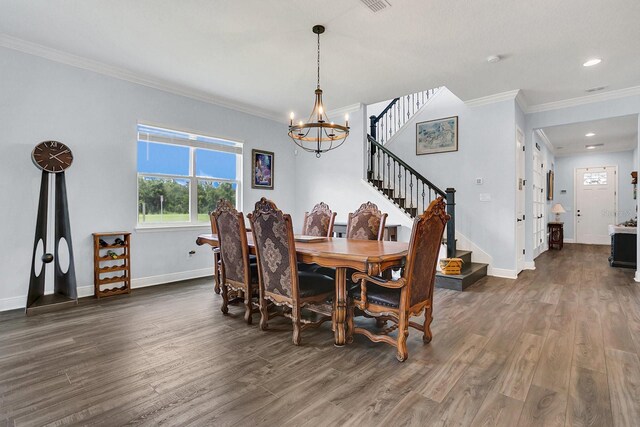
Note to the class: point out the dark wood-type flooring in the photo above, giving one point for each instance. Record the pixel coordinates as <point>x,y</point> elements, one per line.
<point>556,347</point>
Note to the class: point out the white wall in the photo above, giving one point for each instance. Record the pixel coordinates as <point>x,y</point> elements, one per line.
<point>96,116</point>
<point>486,149</point>
<point>565,173</point>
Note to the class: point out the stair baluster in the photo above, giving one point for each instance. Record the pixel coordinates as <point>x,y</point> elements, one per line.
<point>418,191</point>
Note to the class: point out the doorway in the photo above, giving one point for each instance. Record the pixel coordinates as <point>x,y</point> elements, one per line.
<point>595,190</point>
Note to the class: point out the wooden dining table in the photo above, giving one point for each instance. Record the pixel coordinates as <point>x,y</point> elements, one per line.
<point>368,256</point>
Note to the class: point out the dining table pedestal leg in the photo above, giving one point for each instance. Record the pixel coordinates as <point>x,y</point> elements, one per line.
<point>340,306</point>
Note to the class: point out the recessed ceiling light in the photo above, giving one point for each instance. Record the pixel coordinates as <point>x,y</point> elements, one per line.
<point>589,134</point>
<point>493,59</point>
<point>592,62</point>
<point>591,147</point>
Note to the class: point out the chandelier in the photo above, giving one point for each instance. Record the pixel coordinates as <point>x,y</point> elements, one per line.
<point>319,134</point>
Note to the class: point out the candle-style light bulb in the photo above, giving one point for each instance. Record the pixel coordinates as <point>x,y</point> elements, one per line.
<point>346,119</point>
<point>320,110</point>
<point>291,116</point>
<point>300,123</point>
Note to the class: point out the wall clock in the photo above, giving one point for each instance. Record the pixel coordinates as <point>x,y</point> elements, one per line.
<point>53,158</point>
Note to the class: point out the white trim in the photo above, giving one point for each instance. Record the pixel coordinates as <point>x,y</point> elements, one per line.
<point>502,272</point>
<point>133,77</point>
<point>582,100</point>
<point>161,279</point>
<point>521,100</point>
<point>543,136</point>
<point>569,240</point>
<point>19,302</point>
<point>491,99</point>
<point>529,265</point>
<point>637,278</point>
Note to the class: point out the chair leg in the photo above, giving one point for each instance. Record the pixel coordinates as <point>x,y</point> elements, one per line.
<point>264,314</point>
<point>428,318</point>
<point>403,333</point>
<point>225,298</point>
<point>297,325</point>
<point>216,274</point>
<point>248,308</point>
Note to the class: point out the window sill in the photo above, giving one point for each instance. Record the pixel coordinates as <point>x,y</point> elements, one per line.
<point>161,228</point>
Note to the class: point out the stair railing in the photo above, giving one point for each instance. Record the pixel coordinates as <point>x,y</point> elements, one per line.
<point>407,188</point>
<point>396,114</point>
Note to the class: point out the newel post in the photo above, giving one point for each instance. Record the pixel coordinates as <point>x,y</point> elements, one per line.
<point>451,225</point>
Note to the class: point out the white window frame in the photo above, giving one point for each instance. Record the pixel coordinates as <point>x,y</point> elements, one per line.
<point>191,141</point>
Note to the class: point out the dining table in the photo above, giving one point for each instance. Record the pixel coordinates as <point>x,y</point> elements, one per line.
<point>367,256</point>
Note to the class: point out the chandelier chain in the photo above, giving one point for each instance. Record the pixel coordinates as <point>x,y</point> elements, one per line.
<point>318,61</point>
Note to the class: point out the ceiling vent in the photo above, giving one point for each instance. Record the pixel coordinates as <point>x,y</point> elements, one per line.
<point>376,5</point>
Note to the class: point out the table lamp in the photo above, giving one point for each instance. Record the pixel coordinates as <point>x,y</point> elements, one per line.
<point>557,209</point>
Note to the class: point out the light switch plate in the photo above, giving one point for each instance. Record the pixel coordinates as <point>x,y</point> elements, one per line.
<point>479,181</point>
<point>485,197</point>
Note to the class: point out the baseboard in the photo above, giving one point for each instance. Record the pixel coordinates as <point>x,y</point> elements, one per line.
<point>502,272</point>
<point>637,278</point>
<point>14,303</point>
<point>529,265</point>
<point>569,240</point>
<point>161,279</point>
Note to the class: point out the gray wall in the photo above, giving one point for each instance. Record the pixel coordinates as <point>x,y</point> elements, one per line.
<point>96,116</point>
<point>565,174</point>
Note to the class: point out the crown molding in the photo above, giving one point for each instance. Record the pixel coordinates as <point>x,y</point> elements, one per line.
<point>491,99</point>
<point>346,109</point>
<point>543,136</point>
<point>131,76</point>
<point>583,100</point>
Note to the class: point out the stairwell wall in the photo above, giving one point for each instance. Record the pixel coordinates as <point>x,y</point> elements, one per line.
<point>486,150</point>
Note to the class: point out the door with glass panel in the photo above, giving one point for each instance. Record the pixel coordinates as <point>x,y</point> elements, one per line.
<point>595,204</point>
<point>538,204</point>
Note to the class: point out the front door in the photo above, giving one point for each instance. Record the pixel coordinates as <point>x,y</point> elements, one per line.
<point>595,204</point>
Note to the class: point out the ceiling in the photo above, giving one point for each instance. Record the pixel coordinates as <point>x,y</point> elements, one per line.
<point>261,53</point>
<point>617,134</point>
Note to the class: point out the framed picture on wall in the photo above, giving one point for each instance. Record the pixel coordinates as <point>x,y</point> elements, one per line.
<point>437,136</point>
<point>262,172</point>
<point>550,179</point>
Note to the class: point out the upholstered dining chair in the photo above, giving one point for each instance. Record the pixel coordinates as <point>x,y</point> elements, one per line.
<point>280,281</point>
<point>366,223</point>
<point>398,300</point>
<point>319,222</point>
<point>236,272</point>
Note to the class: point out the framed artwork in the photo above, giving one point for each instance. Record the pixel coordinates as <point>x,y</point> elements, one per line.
<point>262,172</point>
<point>437,136</point>
<point>550,185</point>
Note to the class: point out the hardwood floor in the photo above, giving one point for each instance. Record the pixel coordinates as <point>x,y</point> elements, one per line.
<point>557,346</point>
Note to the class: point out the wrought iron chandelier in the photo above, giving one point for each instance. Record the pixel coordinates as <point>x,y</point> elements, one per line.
<point>319,134</point>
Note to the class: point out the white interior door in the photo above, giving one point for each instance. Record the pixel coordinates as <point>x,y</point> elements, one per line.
<point>595,204</point>
<point>520,236</point>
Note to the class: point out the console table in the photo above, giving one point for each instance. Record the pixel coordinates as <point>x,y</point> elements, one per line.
<point>623,246</point>
<point>556,235</point>
<point>390,230</point>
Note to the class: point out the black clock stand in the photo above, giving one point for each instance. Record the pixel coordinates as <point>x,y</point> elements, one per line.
<point>65,290</point>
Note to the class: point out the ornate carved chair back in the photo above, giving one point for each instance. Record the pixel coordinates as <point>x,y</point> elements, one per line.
<point>232,235</point>
<point>319,222</point>
<point>424,248</point>
<point>366,223</point>
<point>275,248</point>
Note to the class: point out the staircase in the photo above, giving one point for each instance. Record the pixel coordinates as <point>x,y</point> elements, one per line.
<point>411,192</point>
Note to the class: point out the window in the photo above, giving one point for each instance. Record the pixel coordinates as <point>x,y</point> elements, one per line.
<point>182,176</point>
<point>595,178</point>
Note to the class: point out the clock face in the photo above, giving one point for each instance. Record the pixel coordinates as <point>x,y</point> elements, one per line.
<point>52,156</point>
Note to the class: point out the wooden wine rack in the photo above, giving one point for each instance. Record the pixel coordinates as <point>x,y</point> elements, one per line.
<point>111,269</point>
